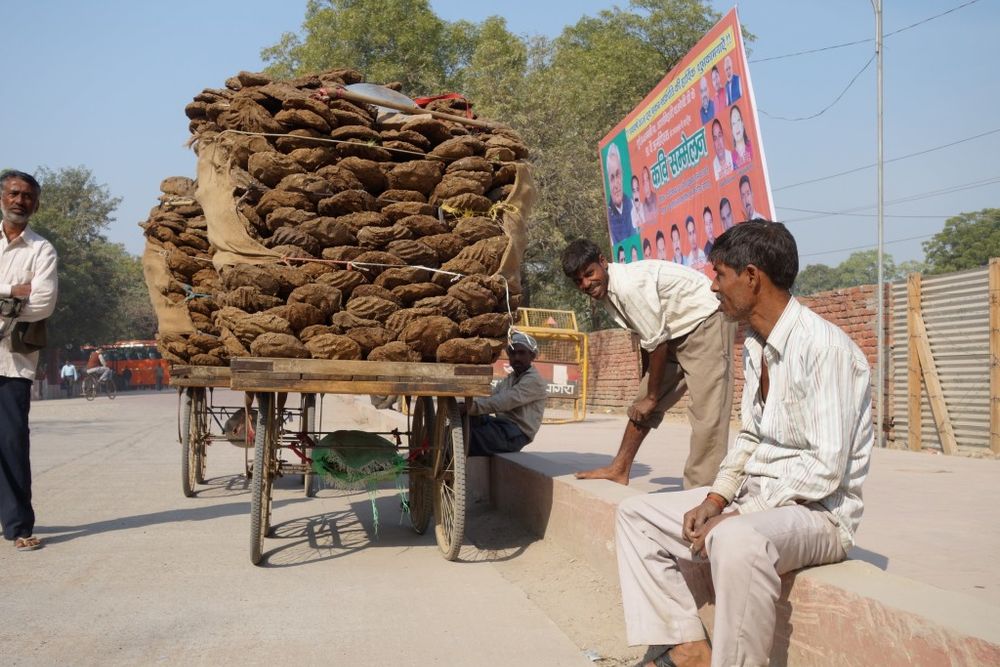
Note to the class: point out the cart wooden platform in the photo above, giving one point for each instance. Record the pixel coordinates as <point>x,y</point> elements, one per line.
<point>201,422</point>
<point>436,436</point>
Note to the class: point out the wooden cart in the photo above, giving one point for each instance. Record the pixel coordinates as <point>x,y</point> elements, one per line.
<point>201,421</point>
<point>436,435</point>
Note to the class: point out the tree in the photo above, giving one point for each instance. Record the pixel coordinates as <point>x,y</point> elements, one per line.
<point>967,241</point>
<point>101,292</point>
<point>562,95</point>
<point>861,268</point>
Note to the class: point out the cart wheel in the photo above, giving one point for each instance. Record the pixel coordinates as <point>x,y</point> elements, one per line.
<point>201,448</point>
<point>191,439</point>
<point>421,495</point>
<point>260,481</point>
<point>449,477</point>
<point>308,425</point>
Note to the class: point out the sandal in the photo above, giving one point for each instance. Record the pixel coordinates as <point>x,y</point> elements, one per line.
<point>29,543</point>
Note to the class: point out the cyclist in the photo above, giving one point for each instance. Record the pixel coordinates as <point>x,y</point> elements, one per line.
<point>97,365</point>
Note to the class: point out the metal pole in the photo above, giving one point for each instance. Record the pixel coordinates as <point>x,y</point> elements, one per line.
<point>880,320</point>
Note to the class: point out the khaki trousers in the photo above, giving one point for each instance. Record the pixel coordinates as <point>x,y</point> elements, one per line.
<point>748,554</point>
<point>700,363</point>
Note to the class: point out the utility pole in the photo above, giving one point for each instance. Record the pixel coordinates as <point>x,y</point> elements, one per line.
<point>880,410</point>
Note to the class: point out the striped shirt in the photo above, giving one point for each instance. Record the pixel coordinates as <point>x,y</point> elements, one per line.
<point>658,300</point>
<point>811,440</point>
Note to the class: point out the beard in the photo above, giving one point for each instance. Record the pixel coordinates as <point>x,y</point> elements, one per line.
<point>19,219</point>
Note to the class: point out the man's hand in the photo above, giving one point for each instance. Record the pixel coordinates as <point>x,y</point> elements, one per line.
<point>640,410</point>
<point>21,291</point>
<point>699,535</point>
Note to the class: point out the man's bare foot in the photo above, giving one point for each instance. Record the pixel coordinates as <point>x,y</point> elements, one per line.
<point>691,654</point>
<point>607,472</point>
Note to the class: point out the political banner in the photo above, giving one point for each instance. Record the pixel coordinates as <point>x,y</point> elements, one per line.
<point>688,162</point>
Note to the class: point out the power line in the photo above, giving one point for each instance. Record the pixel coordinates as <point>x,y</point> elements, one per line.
<point>865,247</point>
<point>863,215</point>
<point>828,106</point>
<point>901,200</point>
<point>895,159</point>
<point>863,41</point>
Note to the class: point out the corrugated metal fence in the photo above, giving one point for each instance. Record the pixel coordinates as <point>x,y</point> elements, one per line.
<point>956,312</point>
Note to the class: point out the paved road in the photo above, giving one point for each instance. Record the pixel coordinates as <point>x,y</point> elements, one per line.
<point>134,573</point>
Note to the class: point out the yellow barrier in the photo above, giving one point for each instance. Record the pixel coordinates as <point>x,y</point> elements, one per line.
<point>564,348</point>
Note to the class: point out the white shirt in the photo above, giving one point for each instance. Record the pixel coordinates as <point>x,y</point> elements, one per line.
<point>28,258</point>
<point>658,300</point>
<point>811,440</point>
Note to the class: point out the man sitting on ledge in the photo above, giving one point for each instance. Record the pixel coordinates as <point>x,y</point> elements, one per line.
<point>518,401</point>
<point>788,493</point>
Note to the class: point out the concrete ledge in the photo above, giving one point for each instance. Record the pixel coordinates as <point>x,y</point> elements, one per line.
<point>850,613</point>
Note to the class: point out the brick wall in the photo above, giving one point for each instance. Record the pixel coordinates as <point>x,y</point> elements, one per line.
<point>614,356</point>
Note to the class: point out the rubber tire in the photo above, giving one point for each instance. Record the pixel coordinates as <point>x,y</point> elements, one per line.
<point>109,387</point>
<point>201,450</point>
<point>421,484</point>
<point>188,443</point>
<point>308,425</point>
<point>89,388</point>
<point>260,480</point>
<point>449,477</point>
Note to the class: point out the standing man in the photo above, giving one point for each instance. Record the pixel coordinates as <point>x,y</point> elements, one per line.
<point>686,345</point>
<point>68,377</point>
<point>518,401</point>
<point>620,208</point>
<point>788,494</point>
<point>28,276</point>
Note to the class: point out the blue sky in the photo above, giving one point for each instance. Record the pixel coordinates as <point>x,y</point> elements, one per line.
<point>104,84</point>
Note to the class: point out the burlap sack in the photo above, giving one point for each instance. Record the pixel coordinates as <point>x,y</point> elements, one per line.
<point>170,317</point>
<point>215,195</point>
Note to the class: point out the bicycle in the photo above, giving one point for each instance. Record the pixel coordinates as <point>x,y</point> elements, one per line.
<point>93,386</point>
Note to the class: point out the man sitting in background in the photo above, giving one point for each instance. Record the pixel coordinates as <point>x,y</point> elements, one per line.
<point>518,402</point>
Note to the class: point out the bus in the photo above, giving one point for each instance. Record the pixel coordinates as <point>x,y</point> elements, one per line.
<point>134,363</point>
